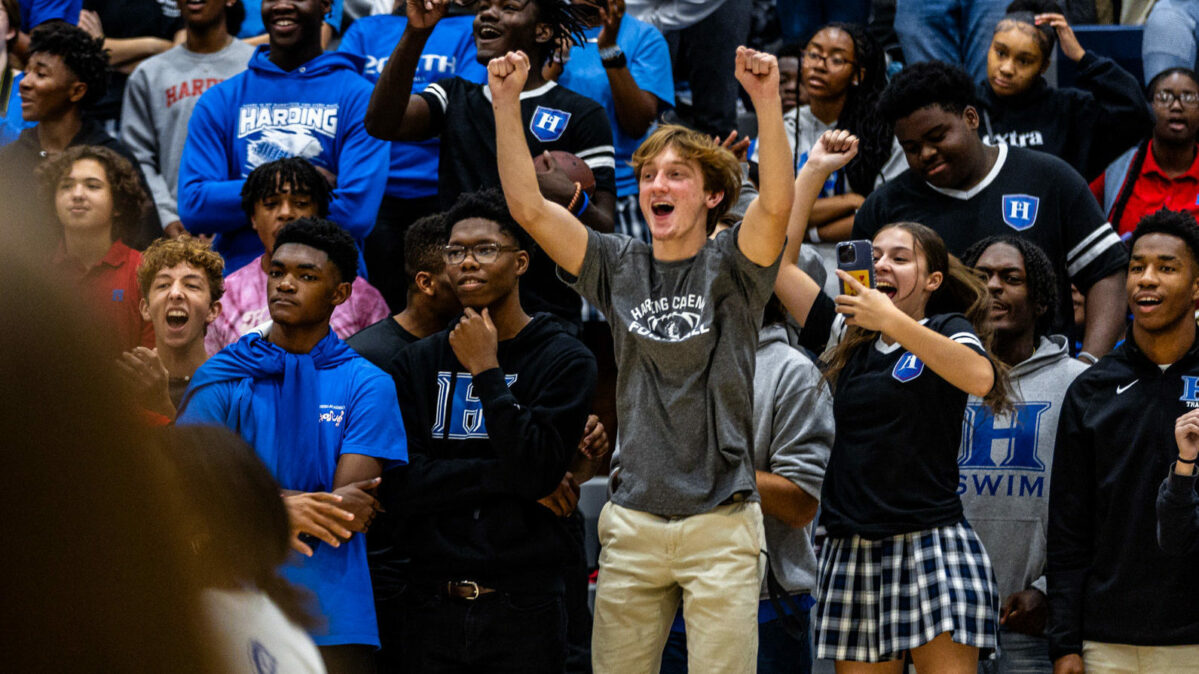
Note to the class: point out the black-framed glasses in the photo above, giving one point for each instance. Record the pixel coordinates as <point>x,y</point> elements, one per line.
<point>833,61</point>
<point>1189,99</point>
<point>484,253</point>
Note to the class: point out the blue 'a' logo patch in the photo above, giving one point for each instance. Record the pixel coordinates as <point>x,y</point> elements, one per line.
<point>1190,389</point>
<point>548,124</point>
<point>908,368</point>
<point>118,295</point>
<point>1020,211</point>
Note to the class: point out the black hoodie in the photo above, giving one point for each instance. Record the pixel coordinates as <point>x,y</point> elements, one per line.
<point>483,449</point>
<point>1088,127</point>
<point>1109,580</point>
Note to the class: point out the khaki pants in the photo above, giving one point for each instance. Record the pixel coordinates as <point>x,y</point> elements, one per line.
<point>648,562</point>
<point>1100,658</point>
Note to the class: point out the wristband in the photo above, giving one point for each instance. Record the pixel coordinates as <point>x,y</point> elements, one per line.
<point>813,235</point>
<point>578,190</point>
<point>582,206</point>
<point>613,57</point>
<point>1090,358</point>
<point>1189,462</point>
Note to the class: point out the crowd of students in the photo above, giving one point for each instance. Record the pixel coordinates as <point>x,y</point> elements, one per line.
<point>360,331</point>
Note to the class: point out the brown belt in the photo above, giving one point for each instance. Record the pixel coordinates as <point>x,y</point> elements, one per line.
<point>466,589</point>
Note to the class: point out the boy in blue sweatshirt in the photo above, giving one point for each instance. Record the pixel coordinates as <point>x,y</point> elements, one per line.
<point>292,101</point>
<point>323,420</point>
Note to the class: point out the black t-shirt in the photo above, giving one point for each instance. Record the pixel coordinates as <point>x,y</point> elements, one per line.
<point>176,387</point>
<point>893,468</point>
<point>1027,194</point>
<point>386,555</point>
<point>556,119</point>
<point>381,342</point>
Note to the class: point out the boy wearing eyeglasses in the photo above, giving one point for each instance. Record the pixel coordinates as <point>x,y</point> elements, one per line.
<point>458,112</point>
<point>1162,171</point>
<point>494,408</point>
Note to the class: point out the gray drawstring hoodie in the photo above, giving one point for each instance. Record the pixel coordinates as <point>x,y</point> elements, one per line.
<point>1005,466</point>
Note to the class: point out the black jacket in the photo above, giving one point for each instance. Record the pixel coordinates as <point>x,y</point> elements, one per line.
<point>1088,127</point>
<point>1109,580</point>
<point>482,450</point>
<point>20,186</point>
<point>1178,514</point>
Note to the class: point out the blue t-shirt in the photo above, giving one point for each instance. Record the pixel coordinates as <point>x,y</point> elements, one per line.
<point>449,51</point>
<point>252,25</point>
<point>359,414</point>
<point>36,12</point>
<point>11,122</point>
<point>649,63</point>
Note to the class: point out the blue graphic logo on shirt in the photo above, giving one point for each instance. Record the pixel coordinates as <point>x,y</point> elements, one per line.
<point>548,124</point>
<point>264,662</point>
<point>1020,211</point>
<point>118,295</point>
<point>1017,441</point>
<point>908,368</point>
<point>1190,389</point>
<point>278,131</point>
<point>459,413</point>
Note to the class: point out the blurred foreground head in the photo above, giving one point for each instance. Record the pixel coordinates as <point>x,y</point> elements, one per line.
<point>97,576</point>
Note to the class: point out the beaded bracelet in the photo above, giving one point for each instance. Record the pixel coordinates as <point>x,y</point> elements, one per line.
<point>582,206</point>
<point>578,190</point>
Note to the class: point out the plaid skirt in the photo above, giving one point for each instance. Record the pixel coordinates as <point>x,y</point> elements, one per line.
<point>878,599</point>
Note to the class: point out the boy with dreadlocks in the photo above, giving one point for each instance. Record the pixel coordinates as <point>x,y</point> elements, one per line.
<point>459,112</point>
<point>273,195</point>
<point>1005,494</point>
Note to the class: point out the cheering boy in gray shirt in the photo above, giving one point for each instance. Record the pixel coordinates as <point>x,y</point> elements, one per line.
<point>162,92</point>
<point>684,312</point>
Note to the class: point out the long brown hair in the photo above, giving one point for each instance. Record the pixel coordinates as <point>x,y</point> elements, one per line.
<point>961,291</point>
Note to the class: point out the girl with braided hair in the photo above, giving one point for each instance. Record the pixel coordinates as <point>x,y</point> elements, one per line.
<point>843,71</point>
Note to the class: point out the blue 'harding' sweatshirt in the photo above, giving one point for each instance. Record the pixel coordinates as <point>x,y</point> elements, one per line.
<point>266,113</point>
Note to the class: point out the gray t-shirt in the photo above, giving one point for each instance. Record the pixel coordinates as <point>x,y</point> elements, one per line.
<point>685,333</point>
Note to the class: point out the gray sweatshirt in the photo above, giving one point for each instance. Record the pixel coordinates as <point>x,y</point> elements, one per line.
<point>793,435</point>
<point>159,99</point>
<point>1005,466</point>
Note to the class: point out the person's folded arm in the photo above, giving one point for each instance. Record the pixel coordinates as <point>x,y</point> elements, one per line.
<point>209,200</point>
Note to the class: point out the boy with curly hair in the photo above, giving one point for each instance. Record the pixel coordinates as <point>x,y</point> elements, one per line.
<point>95,194</point>
<point>67,71</point>
<point>181,285</point>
